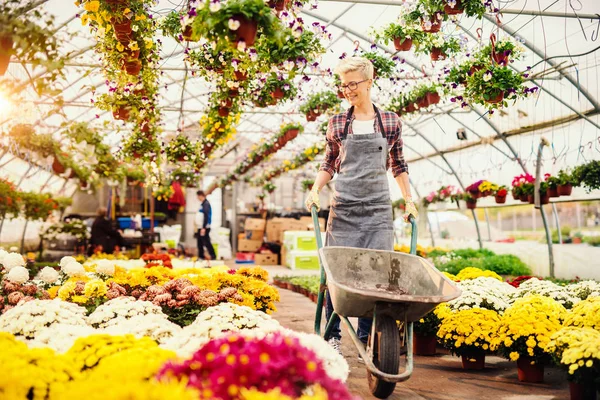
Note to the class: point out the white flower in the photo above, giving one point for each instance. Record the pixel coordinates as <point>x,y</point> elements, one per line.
<point>48,275</point>
<point>487,76</point>
<point>550,289</point>
<point>484,292</point>
<point>60,337</point>
<point>73,269</point>
<point>18,275</point>
<point>66,260</point>
<point>122,308</point>
<point>233,24</point>
<point>11,260</point>
<point>241,46</point>
<point>214,6</point>
<point>156,326</point>
<point>106,267</point>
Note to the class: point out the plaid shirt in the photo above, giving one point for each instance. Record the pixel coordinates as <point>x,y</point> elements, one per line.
<point>393,132</point>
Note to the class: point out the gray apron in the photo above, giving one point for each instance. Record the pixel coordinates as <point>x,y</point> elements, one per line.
<point>361,209</point>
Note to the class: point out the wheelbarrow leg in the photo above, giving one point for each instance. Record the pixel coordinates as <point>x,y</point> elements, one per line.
<point>332,320</point>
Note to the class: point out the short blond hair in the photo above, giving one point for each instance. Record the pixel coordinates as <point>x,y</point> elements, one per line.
<point>351,64</point>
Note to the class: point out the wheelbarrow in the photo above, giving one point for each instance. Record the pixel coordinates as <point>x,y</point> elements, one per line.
<point>395,289</point>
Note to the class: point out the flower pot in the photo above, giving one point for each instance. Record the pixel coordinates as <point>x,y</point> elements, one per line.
<point>234,93</point>
<point>544,198</point>
<point>223,112</point>
<point>436,25</point>
<point>411,108</point>
<point>6,50</point>
<point>313,297</point>
<point>188,34</point>
<point>582,391</point>
<point>500,58</point>
<point>123,26</point>
<point>496,99</point>
<point>565,190</point>
<point>278,94</point>
<point>133,67</point>
<point>121,113</point>
<point>403,44</point>
<point>136,155</point>
<point>576,240</point>
<point>240,76</point>
<point>246,31</point>
<point>312,115</point>
<point>457,9</point>
<point>433,98</point>
<point>57,166</point>
<point>475,68</point>
<point>340,95</point>
<point>530,199</point>
<point>424,345</point>
<point>279,5</point>
<point>500,199</point>
<point>437,54</point>
<point>291,134</point>
<point>553,191</point>
<point>422,102</point>
<point>475,194</point>
<point>514,195</point>
<point>227,103</point>
<point>473,362</point>
<point>289,286</point>
<point>471,204</point>
<point>523,198</point>
<point>528,372</point>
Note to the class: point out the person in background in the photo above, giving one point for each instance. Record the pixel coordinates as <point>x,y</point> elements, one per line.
<point>104,237</point>
<point>203,233</point>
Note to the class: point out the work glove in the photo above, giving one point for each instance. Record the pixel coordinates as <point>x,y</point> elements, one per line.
<point>313,198</point>
<point>411,209</point>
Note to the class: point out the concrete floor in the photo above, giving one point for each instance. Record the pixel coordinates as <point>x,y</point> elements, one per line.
<point>434,378</point>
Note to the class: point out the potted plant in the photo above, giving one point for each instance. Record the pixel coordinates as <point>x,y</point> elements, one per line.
<point>290,131</point>
<point>577,238</point>
<point>402,36</point>
<point>307,184</point>
<point>552,185</point>
<point>292,52</point>
<point>269,187</point>
<point>278,87</point>
<point>473,189</point>
<point>139,146</point>
<point>438,47</point>
<point>427,14</point>
<point>500,195</point>
<point>383,67</point>
<point>470,200</point>
<point>524,332</point>
<point>494,86</point>
<point>10,199</point>
<point>235,22</point>
<point>501,52</point>
<point>186,178</point>
<point>472,8</point>
<point>425,334</point>
<point>565,183</point>
<point>37,206</point>
<point>458,75</point>
<point>587,175</point>
<point>318,103</point>
<point>469,334</point>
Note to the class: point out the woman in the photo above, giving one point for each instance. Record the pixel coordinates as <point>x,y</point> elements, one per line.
<point>104,238</point>
<point>362,144</point>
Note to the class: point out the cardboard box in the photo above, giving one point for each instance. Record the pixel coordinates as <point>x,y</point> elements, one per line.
<point>255,224</point>
<point>273,229</point>
<point>251,246</point>
<point>309,223</point>
<point>266,259</point>
<point>254,235</point>
<point>298,259</point>
<point>284,260</point>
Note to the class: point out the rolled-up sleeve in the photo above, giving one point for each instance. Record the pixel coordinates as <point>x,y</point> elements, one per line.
<point>396,160</point>
<point>332,151</point>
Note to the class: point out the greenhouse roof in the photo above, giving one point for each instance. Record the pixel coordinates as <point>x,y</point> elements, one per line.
<point>560,38</point>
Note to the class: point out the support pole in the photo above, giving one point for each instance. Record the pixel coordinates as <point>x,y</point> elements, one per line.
<point>536,195</point>
<point>487,221</point>
<point>477,228</point>
<point>557,223</point>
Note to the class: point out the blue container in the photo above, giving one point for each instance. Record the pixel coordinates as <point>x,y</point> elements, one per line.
<point>146,223</point>
<point>125,222</point>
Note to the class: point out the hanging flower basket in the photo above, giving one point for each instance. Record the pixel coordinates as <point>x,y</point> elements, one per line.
<point>291,134</point>
<point>500,199</point>
<point>471,204</point>
<point>340,95</point>
<point>424,345</point>
<point>475,194</point>
<point>312,115</point>
<point>565,190</point>
<point>279,5</point>
<point>473,362</point>
<point>188,34</point>
<point>437,54</point>
<point>240,76</point>
<point>6,50</point>
<point>514,195</point>
<point>223,112</point>
<point>403,44</point>
<point>246,31</point>
<point>581,391</point>
<point>57,166</point>
<point>123,26</point>
<point>422,102</point>
<point>435,24</point>
<point>410,108</point>
<point>524,198</point>
<point>234,93</point>
<point>457,9</point>
<point>496,99</point>
<point>528,372</point>
<point>136,155</point>
<point>475,68</point>
<point>278,94</point>
<point>500,58</point>
<point>553,191</point>
<point>133,67</point>
<point>433,98</point>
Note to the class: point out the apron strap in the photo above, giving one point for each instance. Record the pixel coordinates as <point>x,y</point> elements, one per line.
<point>349,117</point>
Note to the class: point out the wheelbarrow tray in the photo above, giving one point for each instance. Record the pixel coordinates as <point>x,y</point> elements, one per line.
<point>358,279</point>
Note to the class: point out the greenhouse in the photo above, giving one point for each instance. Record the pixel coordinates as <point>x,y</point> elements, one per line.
<point>299,199</point>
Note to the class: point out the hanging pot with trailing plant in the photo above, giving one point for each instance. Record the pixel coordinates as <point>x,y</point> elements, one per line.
<point>246,31</point>
<point>223,112</point>
<point>433,98</point>
<point>121,113</point>
<point>240,76</point>
<point>401,44</point>
<point>6,50</point>
<point>312,115</point>
<point>434,26</point>
<point>278,94</point>
<point>57,166</point>
<point>132,67</point>
<point>495,99</point>
<point>457,9</point>
<point>437,54</point>
<point>279,5</point>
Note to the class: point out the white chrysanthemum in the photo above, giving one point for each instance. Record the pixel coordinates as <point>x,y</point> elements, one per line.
<point>73,269</point>
<point>28,318</point>
<point>549,289</point>
<point>66,260</point>
<point>216,322</point>
<point>106,267</point>
<point>584,289</point>
<point>155,326</point>
<point>114,311</point>
<point>18,275</point>
<point>60,337</point>
<point>11,260</point>
<point>333,362</point>
<point>484,292</point>
<point>3,253</point>
<point>48,275</point>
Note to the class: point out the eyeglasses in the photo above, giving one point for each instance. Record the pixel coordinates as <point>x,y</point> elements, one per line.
<point>352,85</point>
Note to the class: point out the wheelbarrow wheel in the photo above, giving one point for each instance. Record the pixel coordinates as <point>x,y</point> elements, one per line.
<point>386,355</point>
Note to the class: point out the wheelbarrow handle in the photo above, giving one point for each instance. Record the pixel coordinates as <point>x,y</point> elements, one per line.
<point>413,234</point>
<point>315,217</point>
<point>323,280</point>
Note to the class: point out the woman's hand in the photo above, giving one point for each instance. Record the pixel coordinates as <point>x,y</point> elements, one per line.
<point>411,209</point>
<point>313,198</point>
